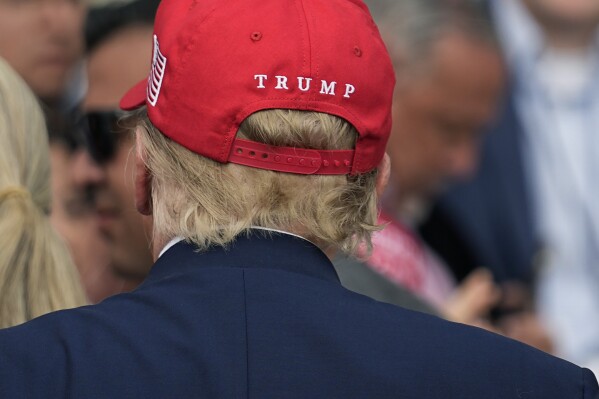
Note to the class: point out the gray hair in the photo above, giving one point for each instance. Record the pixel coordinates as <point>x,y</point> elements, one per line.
<point>411,28</point>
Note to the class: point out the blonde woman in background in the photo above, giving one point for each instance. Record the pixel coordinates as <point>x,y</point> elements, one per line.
<point>37,274</point>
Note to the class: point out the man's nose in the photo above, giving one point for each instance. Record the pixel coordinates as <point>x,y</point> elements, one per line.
<point>85,171</point>
<point>463,159</point>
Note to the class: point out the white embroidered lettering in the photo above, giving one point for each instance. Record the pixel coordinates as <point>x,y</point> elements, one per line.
<point>304,84</point>
<point>261,79</point>
<point>327,88</point>
<point>281,82</point>
<point>300,81</point>
<point>349,89</point>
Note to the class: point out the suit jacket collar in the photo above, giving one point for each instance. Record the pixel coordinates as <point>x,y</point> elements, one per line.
<point>259,249</point>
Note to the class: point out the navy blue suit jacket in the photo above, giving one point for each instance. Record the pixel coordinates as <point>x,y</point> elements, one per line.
<point>488,220</point>
<point>267,318</point>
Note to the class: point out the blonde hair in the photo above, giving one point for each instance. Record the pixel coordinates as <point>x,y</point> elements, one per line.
<point>209,203</point>
<point>37,275</point>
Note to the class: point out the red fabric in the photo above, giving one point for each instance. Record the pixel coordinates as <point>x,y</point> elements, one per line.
<point>223,59</point>
<point>400,256</point>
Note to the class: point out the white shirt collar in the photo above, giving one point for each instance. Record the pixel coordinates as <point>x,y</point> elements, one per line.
<point>282,232</point>
<point>170,244</point>
<point>521,37</point>
<point>177,240</point>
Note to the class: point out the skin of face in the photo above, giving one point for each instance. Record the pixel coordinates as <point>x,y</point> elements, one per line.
<point>439,112</point>
<point>73,176</point>
<point>42,40</point>
<point>573,13</point>
<point>113,67</point>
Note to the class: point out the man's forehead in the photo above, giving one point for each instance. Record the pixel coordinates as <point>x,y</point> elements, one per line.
<point>116,64</point>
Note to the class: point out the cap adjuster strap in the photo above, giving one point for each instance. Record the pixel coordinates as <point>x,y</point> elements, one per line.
<point>291,160</point>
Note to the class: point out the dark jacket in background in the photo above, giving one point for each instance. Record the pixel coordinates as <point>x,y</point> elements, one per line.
<point>488,221</point>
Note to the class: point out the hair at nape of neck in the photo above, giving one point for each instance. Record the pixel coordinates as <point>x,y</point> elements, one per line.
<point>210,203</point>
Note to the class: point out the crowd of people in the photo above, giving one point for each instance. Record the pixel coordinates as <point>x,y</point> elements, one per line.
<point>299,198</point>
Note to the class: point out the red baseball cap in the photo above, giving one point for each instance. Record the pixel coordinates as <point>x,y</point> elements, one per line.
<point>216,62</point>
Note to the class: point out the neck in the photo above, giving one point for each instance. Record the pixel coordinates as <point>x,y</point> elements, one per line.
<point>565,34</point>
<point>405,207</point>
<point>569,40</point>
<point>159,244</point>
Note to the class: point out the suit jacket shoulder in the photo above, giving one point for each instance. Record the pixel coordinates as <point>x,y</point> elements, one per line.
<point>267,318</point>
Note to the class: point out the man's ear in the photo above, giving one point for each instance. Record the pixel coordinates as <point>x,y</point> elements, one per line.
<point>143,181</point>
<point>382,178</point>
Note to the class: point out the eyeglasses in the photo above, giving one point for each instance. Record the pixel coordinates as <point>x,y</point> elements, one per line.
<point>102,134</point>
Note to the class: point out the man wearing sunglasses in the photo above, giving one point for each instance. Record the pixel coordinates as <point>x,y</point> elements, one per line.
<point>123,33</point>
<point>260,151</point>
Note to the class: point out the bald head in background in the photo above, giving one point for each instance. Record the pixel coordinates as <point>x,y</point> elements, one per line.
<point>450,77</point>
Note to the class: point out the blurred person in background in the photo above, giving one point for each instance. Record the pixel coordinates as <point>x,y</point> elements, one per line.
<point>75,177</point>
<point>239,304</point>
<point>124,33</point>
<point>43,41</point>
<point>450,75</point>
<point>531,212</point>
<point>37,275</point>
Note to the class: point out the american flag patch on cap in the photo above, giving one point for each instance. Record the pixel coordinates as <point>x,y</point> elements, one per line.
<point>157,74</point>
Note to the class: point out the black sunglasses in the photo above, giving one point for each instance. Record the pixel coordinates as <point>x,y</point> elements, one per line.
<point>103,133</point>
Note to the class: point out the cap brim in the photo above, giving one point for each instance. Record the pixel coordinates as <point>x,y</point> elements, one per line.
<point>135,97</point>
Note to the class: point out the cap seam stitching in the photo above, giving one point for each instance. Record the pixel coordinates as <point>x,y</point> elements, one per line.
<point>309,38</point>
<point>305,63</point>
<point>191,45</point>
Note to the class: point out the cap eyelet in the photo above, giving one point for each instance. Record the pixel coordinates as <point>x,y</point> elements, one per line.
<point>357,51</point>
<point>256,36</point>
